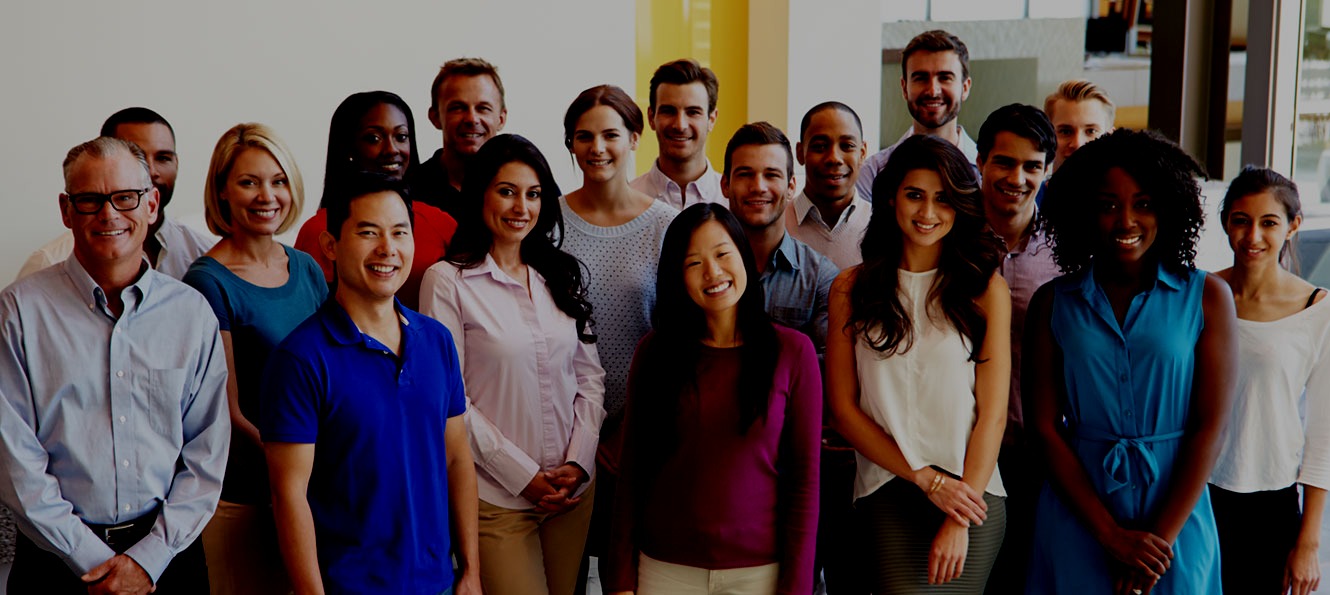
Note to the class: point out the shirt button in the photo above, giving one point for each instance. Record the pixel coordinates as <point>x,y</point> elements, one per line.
<point>1123,377</point>
<point>122,419</point>
<point>125,463</point>
<point>119,373</point>
<point>126,507</point>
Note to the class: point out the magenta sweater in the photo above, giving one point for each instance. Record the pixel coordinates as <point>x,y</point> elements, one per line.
<point>725,500</point>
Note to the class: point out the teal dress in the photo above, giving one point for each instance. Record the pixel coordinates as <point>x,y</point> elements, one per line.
<point>1128,394</point>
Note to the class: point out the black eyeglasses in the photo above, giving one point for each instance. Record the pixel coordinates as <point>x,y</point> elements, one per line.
<point>90,203</point>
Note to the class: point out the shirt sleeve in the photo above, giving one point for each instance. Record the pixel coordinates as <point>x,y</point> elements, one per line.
<point>498,456</point>
<point>799,477</point>
<point>25,486</point>
<point>588,407</point>
<point>1315,469</point>
<point>292,394</point>
<point>826,274</point>
<point>197,484</point>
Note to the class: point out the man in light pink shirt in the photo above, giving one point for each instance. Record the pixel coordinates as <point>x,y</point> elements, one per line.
<point>682,111</point>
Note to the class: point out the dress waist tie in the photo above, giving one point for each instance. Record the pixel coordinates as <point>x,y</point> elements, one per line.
<point>1116,465</point>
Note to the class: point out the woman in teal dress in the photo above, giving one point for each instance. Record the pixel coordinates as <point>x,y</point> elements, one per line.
<point>1129,375</point>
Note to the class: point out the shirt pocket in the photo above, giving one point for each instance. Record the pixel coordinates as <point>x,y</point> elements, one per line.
<point>162,400</point>
<point>791,317</point>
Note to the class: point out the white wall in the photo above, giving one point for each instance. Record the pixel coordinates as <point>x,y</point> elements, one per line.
<point>207,66</point>
<point>835,53</point>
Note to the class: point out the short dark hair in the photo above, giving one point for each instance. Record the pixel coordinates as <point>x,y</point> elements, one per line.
<point>824,106</point>
<point>936,40</point>
<point>683,72</point>
<point>1161,168</point>
<point>355,185</point>
<point>1025,121</point>
<point>607,95</point>
<point>759,133</point>
<point>134,115</point>
<point>465,67</point>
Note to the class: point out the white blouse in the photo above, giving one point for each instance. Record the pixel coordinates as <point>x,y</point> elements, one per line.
<point>535,393</point>
<point>1279,427</point>
<point>923,398</point>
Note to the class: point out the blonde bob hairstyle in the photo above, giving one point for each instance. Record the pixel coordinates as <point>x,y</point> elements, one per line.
<point>233,142</point>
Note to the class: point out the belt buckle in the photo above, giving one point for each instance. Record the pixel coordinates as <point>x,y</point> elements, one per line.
<point>108,534</point>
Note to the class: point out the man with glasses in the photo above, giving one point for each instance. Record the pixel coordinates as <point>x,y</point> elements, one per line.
<point>170,246</point>
<point>113,423</point>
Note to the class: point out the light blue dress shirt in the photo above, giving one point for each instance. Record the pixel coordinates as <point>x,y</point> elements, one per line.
<point>105,419</point>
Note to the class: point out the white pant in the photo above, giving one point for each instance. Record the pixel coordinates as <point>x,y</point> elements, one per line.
<point>663,578</point>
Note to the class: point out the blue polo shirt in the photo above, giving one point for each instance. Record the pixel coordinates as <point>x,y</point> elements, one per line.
<point>379,487</point>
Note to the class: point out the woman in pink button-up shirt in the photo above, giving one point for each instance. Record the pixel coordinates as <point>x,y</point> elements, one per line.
<point>517,308</point>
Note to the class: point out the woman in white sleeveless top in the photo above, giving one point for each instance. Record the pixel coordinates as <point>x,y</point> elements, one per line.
<point>918,367</point>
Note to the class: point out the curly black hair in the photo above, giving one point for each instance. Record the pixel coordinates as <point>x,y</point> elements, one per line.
<point>971,252</point>
<point>1163,171</point>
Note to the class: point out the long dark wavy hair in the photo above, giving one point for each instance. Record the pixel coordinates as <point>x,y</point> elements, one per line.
<point>342,136</point>
<point>1160,167</point>
<point>971,252</point>
<point>564,274</point>
<point>668,358</point>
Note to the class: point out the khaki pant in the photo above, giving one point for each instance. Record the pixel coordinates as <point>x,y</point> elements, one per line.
<point>525,552</point>
<point>663,578</point>
<point>240,543</point>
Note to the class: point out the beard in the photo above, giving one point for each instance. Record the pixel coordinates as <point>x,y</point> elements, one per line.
<point>929,120</point>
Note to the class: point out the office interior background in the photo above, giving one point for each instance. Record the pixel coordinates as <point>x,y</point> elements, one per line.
<point>1235,81</point>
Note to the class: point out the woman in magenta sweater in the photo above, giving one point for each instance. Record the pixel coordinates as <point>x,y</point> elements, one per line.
<point>720,467</point>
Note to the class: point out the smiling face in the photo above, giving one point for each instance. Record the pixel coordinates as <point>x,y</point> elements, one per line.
<point>713,270</point>
<point>109,237</point>
<point>512,203</point>
<point>757,185</point>
<point>934,88</point>
<point>469,110</point>
<point>1011,174</point>
<point>831,151</point>
<point>1125,218</point>
<point>1077,123</point>
<point>257,194</point>
<point>383,141</point>
<point>921,211</point>
<point>375,251</point>
<point>601,144</point>
<point>681,120</point>
<point>1258,228</point>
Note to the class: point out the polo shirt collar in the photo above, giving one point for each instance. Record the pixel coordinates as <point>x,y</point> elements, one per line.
<point>345,332</point>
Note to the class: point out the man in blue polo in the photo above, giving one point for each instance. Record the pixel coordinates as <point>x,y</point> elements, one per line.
<point>362,416</point>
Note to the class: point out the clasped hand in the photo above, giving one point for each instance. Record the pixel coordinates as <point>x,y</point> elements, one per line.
<point>552,491</point>
<point>953,497</point>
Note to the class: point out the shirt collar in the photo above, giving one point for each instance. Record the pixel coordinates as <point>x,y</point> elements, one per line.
<point>345,332</point>
<point>804,205</point>
<point>132,296</point>
<point>784,257</point>
<point>491,268</point>
<point>1163,278</point>
<point>663,181</point>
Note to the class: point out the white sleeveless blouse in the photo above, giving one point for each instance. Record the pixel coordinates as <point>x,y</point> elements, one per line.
<point>923,398</point>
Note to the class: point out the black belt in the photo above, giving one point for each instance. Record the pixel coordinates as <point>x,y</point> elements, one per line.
<point>120,536</point>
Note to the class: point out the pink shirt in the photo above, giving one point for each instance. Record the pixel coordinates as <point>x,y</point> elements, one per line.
<point>535,393</point>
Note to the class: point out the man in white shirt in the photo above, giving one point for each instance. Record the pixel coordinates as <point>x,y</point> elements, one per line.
<point>682,111</point>
<point>170,247</point>
<point>935,79</point>
<point>828,215</point>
